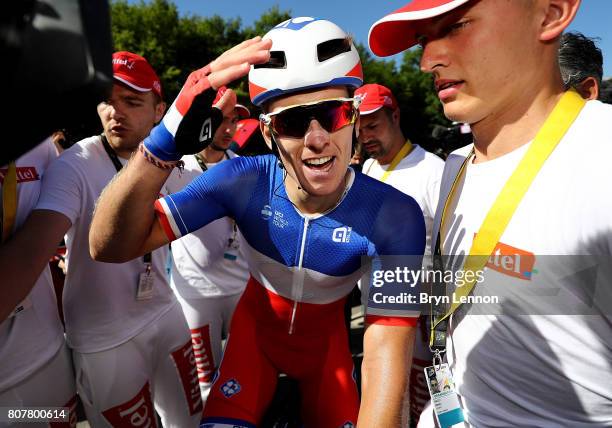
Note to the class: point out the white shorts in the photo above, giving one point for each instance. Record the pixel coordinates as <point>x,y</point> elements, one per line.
<point>50,386</point>
<point>119,386</point>
<point>209,321</point>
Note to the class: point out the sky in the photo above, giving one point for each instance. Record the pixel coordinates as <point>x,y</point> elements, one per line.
<point>356,16</point>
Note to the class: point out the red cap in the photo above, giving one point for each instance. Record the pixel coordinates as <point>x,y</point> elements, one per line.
<point>243,112</point>
<point>244,131</point>
<point>134,71</point>
<point>374,97</point>
<point>395,32</point>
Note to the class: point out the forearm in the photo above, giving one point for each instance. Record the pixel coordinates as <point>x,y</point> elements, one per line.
<point>124,215</point>
<point>26,254</point>
<point>385,369</point>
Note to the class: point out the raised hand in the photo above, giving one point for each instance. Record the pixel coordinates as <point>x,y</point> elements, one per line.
<point>192,120</point>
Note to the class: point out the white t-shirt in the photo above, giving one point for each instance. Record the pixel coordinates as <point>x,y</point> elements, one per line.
<point>203,264</point>
<point>417,175</point>
<point>100,306</point>
<point>30,338</point>
<point>545,368</point>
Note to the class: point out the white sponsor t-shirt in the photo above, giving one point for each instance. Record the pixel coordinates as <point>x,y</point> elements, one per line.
<point>203,262</point>
<point>30,338</point>
<point>417,175</point>
<point>540,367</point>
<point>100,306</point>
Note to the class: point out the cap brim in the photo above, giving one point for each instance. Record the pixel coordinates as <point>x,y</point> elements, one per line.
<point>123,79</point>
<point>395,32</point>
<point>243,112</point>
<point>369,109</point>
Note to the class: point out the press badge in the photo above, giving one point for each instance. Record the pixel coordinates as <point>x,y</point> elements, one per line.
<point>443,396</point>
<point>145,284</point>
<point>22,306</point>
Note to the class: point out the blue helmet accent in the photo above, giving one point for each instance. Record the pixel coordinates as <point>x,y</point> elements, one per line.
<point>275,93</point>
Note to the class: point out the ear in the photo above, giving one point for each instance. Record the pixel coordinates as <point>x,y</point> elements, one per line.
<point>357,124</point>
<point>396,116</point>
<point>265,131</point>
<point>559,15</point>
<point>160,109</point>
<point>588,89</point>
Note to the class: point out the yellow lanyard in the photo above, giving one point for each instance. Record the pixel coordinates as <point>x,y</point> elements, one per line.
<point>500,214</point>
<point>404,151</point>
<point>9,201</point>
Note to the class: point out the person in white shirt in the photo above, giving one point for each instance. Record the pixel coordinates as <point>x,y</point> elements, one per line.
<point>532,195</point>
<point>130,342</point>
<point>33,351</point>
<point>412,170</point>
<point>209,270</point>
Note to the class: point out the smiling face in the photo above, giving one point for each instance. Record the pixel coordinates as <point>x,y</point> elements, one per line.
<point>484,56</point>
<point>128,117</point>
<point>318,162</point>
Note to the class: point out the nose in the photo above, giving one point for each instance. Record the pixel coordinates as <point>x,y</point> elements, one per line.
<point>316,136</point>
<point>115,113</point>
<point>435,56</point>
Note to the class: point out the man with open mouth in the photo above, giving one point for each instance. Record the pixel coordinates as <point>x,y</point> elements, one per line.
<point>310,224</point>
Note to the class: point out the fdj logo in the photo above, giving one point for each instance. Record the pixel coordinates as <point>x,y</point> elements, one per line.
<point>231,387</point>
<point>342,234</point>
<point>266,212</point>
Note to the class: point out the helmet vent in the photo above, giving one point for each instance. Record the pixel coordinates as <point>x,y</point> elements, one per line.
<point>277,60</point>
<point>332,48</point>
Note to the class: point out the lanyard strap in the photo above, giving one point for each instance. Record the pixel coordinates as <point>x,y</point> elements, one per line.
<point>404,151</point>
<point>9,201</point>
<point>202,161</point>
<point>557,124</point>
<point>118,166</point>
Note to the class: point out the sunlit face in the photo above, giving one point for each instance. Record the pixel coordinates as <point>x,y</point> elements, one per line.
<point>320,159</point>
<point>376,132</point>
<point>483,56</point>
<point>128,116</point>
<point>224,134</point>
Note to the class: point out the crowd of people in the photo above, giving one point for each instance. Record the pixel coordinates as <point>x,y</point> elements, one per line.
<point>264,251</point>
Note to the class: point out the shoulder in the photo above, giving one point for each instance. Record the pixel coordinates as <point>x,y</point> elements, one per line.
<point>378,194</point>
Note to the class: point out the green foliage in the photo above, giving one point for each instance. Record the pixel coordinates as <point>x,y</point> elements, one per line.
<point>176,45</point>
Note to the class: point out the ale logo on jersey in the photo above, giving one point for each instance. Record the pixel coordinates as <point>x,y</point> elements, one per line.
<point>230,388</point>
<point>342,234</point>
<point>512,261</point>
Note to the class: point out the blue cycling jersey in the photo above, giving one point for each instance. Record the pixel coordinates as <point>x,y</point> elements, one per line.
<point>307,258</point>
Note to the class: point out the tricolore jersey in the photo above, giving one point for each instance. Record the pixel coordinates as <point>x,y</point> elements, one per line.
<point>312,259</point>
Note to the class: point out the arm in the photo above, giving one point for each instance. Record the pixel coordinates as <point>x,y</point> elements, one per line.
<point>26,255</point>
<point>124,225</point>
<point>387,359</point>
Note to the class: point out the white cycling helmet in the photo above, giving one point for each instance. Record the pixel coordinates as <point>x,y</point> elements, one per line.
<point>306,53</point>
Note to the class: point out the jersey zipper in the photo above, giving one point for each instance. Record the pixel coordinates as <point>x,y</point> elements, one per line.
<point>297,287</point>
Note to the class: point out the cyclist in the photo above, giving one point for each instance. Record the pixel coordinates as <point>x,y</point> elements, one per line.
<point>307,220</point>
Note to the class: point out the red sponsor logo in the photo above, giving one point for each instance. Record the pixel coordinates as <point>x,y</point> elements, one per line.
<point>72,415</point>
<point>200,338</point>
<point>185,364</point>
<point>512,261</point>
<point>419,394</point>
<point>24,173</point>
<point>137,412</point>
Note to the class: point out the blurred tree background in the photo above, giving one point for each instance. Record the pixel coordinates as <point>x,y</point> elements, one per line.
<point>177,44</point>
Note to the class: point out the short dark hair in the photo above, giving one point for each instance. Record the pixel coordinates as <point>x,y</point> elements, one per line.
<point>579,58</point>
<point>605,94</point>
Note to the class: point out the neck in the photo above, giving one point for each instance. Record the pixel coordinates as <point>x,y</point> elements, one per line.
<point>211,155</point>
<point>516,125</point>
<point>312,204</point>
<point>398,143</point>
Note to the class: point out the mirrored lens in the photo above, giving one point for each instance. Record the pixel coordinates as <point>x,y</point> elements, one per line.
<point>331,115</point>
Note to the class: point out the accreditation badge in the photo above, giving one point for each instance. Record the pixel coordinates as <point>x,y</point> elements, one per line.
<point>145,284</point>
<point>443,396</point>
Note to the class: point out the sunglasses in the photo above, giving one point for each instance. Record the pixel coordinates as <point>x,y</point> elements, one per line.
<point>294,121</point>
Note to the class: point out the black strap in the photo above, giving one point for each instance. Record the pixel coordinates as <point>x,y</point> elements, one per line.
<point>437,311</point>
<point>118,166</point>
<point>202,161</point>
